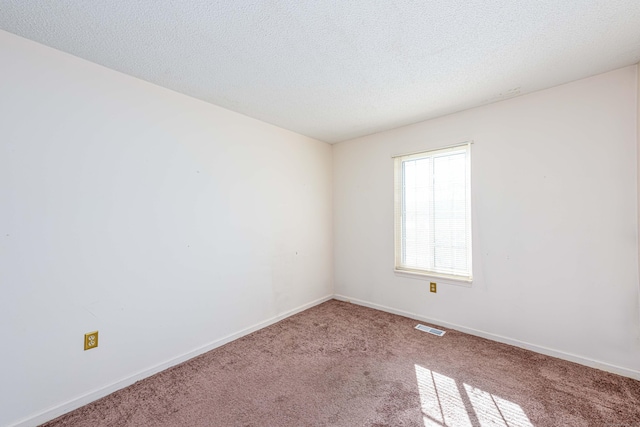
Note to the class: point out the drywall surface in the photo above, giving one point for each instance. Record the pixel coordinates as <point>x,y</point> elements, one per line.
<point>555,258</point>
<point>163,222</point>
<point>638,172</point>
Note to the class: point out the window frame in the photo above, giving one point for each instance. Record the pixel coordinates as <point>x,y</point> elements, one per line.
<point>401,269</point>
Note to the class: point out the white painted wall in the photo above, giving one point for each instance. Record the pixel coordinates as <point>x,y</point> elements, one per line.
<point>166,223</point>
<point>554,216</point>
<point>638,171</point>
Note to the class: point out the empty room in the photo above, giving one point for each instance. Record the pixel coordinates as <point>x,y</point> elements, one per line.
<point>279,213</point>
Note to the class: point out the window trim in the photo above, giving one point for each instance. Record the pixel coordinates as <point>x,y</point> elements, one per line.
<point>397,226</point>
<point>445,278</point>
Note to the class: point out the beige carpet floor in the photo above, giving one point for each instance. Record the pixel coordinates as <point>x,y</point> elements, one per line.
<point>340,364</point>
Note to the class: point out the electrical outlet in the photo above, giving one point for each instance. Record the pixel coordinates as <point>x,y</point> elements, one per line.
<point>90,340</point>
<point>432,287</point>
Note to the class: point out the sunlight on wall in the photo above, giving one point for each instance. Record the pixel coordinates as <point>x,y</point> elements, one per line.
<point>445,403</point>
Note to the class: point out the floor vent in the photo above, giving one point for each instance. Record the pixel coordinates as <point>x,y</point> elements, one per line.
<point>433,331</point>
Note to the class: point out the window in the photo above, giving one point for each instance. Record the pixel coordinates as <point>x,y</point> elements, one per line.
<point>433,213</point>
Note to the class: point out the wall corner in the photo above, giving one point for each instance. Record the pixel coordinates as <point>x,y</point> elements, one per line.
<point>638,177</point>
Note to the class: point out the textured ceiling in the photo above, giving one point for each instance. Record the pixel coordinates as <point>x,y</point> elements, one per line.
<point>335,69</point>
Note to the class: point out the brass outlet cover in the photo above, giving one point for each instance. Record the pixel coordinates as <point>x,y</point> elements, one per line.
<point>90,340</point>
<point>432,287</point>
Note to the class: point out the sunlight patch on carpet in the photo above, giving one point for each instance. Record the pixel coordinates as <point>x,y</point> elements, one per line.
<point>440,400</point>
<point>443,405</point>
<point>495,411</point>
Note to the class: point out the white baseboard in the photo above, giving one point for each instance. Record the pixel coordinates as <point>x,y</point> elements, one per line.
<point>516,343</point>
<point>56,411</point>
<point>87,398</point>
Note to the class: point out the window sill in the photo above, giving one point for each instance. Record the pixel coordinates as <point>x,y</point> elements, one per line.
<point>454,280</point>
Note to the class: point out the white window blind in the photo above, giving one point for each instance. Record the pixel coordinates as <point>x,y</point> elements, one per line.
<point>433,212</point>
